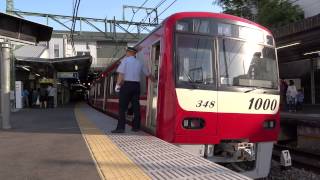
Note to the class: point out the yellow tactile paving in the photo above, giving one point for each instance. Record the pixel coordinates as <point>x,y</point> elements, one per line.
<point>110,161</point>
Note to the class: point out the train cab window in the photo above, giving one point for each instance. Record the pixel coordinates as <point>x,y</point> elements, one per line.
<point>247,64</point>
<point>195,61</point>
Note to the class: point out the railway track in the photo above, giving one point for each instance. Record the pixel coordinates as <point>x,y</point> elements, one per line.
<point>300,159</point>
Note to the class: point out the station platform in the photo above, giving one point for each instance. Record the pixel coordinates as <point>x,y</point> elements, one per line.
<point>309,115</point>
<point>302,128</point>
<point>74,142</point>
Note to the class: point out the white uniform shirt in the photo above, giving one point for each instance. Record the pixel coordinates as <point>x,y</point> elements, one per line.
<point>292,91</point>
<point>132,69</point>
<point>51,91</point>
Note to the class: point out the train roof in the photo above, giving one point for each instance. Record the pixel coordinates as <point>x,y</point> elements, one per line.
<point>182,15</point>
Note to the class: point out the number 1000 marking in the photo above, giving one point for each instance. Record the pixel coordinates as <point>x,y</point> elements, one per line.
<point>264,104</point>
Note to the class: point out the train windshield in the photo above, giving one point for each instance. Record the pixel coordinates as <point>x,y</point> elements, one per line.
<point>245,63</point>
<point>240,63</point>
<point>195,60</point>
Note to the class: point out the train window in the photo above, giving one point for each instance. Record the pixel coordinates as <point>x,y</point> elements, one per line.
<point>183,25</point>
<point>247,64</point>
<point>269,40</point>
<point>198,25</point>
<point>102,87</point>
<point>112,84</point>
<point>224,29</point>
<point>98,94</point>
<point>201,26</point>
<point>195,62</point>
<point>251,34</point>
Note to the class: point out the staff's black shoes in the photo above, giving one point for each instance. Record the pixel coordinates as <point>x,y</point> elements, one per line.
<point>135,129</point>
<point>118,131</point>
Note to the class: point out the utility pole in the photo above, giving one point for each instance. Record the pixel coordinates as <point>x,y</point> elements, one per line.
<point>9,7</point>
<point>5,107</point>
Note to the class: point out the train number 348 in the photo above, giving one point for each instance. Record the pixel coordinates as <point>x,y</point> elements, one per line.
<point>206,104</point>
<point>265,104</point>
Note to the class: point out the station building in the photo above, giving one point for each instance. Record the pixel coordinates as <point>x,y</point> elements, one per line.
<point>69,68</point>
<point>299,51</point>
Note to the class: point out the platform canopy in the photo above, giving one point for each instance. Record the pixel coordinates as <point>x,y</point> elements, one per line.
<point>21,30</point>
<point>46,67</point>
<point>298,41</point>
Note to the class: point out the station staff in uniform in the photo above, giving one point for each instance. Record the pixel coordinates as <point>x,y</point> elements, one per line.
<point>128,84</point>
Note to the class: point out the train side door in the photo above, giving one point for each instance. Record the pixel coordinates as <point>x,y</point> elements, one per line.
<point>152,99</point>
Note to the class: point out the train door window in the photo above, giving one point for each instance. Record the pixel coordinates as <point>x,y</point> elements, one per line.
<point>98,89</point>
<point>143,80</point>
<point>153,87</point>
<point>102,88</point>
<point>108,86</point>
<point>112,83</point>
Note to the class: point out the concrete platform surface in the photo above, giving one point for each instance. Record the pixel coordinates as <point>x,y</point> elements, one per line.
<point>45,144</point>
<point>74,142</point>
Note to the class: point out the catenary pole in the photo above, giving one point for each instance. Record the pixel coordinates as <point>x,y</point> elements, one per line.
<point>5,85</point>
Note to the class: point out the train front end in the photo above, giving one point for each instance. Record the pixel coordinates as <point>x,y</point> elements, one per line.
<point>226,89</point>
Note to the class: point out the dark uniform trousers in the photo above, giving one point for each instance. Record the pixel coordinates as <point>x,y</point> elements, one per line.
<point>129,92</point>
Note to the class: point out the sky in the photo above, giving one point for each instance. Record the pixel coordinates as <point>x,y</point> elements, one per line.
<point>107,8</point>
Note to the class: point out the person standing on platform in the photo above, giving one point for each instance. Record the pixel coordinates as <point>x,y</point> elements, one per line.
<point>128,86</point>
<point>43,97</point>
<point>35,95</point>
<point>300,99</point>
<point>51,94</point>
<point>25,95</point>
<point>292,96</point>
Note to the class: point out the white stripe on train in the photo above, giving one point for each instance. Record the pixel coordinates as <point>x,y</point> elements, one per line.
<point>227,102</point>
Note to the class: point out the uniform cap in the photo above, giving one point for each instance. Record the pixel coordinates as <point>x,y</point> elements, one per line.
<point>131,49</point>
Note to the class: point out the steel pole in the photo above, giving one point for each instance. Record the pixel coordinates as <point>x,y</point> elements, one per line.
<point>5,85</point>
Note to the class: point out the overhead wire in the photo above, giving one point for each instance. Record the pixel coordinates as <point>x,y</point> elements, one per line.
<point>142,21</point>
<point>149,13</point>
<point>166,8</point>
<point>117,44</point>
<point>145,28</point>
<point>156,7</point>
<point>74,20</point>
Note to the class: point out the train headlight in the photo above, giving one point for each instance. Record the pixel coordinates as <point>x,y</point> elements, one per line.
<point>269,124</point>
<point>193,123</point>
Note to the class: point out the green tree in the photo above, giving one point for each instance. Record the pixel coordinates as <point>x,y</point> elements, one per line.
<point>270,13</point>
<point>241,8</point>
<point>275,13</point>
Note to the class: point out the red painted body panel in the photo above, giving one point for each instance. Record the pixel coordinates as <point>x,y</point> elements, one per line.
<point>219,126</point>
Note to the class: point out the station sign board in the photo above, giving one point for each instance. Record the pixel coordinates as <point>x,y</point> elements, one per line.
<point>46,81</point>
<point>68,75</point>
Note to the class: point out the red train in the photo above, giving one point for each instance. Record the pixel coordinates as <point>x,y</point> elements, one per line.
<point>217,93</point>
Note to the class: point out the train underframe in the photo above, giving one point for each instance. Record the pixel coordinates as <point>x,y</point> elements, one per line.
<point>250,159</point>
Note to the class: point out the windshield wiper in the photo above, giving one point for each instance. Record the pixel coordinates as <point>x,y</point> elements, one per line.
<point>253,89</point>
<point>190,80</point>
<point>188,76</point>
